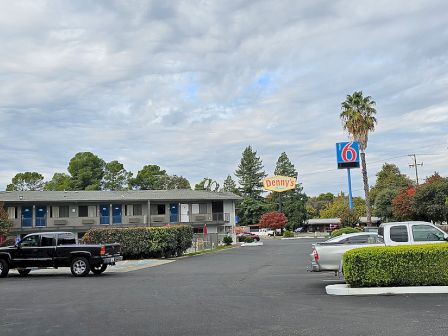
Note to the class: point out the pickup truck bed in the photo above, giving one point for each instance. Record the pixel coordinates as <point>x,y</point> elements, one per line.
<point>58,249</point>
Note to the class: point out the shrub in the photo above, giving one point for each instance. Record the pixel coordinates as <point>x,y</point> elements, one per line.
<point>288,234</point>
<point>344,230</point>
<point>227,240</point>
<point>145,242</point>
<point>406,265</point>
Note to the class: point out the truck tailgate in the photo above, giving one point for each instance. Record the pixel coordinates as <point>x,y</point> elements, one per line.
<point>113,249</point>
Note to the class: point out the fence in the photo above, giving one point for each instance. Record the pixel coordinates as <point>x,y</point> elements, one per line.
<point>207,242</point>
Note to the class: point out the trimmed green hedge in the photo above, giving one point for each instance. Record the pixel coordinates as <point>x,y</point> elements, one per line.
<point>405,265</point>
<point>145,242</point>
<point>344,230</point>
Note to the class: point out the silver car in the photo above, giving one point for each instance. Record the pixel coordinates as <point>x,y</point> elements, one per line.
<point>327,256</point>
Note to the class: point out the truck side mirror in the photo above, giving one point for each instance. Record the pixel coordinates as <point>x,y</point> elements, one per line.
<point>445,237</point>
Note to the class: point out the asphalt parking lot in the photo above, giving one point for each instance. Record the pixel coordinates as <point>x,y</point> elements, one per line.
<point>243,291</point>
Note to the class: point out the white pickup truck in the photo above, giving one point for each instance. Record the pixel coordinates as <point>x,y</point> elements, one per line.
<point>327,256</point>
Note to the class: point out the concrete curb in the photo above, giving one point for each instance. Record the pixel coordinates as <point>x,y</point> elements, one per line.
<point>252,244</point>
<point>344,289</point>
<point>296,238</point>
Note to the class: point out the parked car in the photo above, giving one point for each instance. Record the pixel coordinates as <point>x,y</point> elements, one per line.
<point>327,256</point>
<point>245,235</point>
<point>57,249</point>
<point>265,232</point>
<point>299,229</point>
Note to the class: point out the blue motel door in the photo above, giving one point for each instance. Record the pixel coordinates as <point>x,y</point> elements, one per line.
<point>104,214</point>
<point>174,213</point>
<point>41,216</point>
<point>116,213</point>
<point>27,216</point>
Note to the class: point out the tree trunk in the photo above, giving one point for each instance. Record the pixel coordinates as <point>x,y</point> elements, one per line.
<point>366,188</point>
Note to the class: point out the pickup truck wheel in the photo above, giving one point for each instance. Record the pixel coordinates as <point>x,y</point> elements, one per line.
<point>80,267</point>
<point>98,269</point>
<point>24,272</point>
<point>4,268</point>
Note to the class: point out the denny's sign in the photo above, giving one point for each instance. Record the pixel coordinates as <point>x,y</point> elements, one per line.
<point>279,183</point>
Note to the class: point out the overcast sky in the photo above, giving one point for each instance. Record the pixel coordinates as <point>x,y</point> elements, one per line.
<point>188,85</point>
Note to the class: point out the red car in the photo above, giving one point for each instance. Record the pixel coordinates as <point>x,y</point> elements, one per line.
<point>248,235</point>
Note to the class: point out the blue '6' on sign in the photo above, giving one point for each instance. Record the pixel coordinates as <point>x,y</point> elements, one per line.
<point>347,154</point>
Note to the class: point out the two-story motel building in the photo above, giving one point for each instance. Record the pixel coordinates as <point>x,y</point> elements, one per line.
<point>78,211</point>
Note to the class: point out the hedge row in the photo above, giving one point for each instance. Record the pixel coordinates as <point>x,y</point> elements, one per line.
<point>344,230</point>
<point>410,265</point>
<point>145,242</point>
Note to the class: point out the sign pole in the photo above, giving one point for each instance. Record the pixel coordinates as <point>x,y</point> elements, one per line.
<point>350,199</point>
<point>280,202</point>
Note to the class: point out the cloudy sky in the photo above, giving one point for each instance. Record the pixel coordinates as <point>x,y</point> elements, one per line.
<point>188,85</point>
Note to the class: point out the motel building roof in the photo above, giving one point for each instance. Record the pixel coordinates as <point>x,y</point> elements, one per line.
<point>127,195</point>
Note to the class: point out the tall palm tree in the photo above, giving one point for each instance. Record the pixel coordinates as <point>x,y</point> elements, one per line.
<point>358,119</point>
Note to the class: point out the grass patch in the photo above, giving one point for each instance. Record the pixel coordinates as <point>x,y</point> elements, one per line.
<point>217,249</point>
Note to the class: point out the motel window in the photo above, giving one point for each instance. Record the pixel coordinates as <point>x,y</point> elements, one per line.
<point>128,210</point>
<point>137,210</point>
<point>12,212</point>
<point>63,211</point>
<point>83,211</point>
<point>202,208</point>
<point>160,209</point>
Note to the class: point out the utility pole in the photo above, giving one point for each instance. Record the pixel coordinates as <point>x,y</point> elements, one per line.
<point>415,165</point>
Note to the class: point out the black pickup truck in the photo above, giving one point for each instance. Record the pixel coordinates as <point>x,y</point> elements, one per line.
<point>57,249</point>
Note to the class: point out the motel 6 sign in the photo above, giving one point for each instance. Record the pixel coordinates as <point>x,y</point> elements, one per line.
<point>347,154</point>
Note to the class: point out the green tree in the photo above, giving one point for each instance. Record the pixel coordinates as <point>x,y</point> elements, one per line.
<point>317,203</point>
<point>284,167</point>
<point>5,222</point>
<point>292,202</point>
<point>311,211</point>
<point>177,182</point>
<point>150,177</point>
<point>28,181</point>
<point>389,177</point>
<point>339,208</point>
<point>250,210</point>
<point>349,218</point>
<point>294,207</point>
<point>116,177</point>
<point>59,182</point>
<point>230,185</point>
<point>383,203</point>
<point>87,171</point>
<point>250,174</point>
<point>358,119</point>
<point>429,201</point>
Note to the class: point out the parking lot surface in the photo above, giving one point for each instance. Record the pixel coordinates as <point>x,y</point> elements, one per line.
<point>262,290</point>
